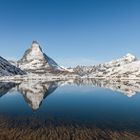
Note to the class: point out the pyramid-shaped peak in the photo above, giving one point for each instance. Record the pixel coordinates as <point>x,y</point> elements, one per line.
<point>35,45</point>
<point>34,58</point>
<point>35,42</point>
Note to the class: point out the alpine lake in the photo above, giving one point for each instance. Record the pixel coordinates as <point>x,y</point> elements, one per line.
<point>79,109</point>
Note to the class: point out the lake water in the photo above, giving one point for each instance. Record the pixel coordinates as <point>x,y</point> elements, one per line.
<point>107,106</point>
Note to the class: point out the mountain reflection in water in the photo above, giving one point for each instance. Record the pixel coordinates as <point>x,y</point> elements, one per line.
<point>34,92</point>
<point>5,87</point>
<point>79,109</point>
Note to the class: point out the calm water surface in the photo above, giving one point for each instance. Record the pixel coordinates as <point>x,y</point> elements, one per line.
<point>114,106</point>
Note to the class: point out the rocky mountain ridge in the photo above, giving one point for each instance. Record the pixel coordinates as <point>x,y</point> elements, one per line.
<point>127,67</point>
<point>7,69</point>
<point>35,63</point>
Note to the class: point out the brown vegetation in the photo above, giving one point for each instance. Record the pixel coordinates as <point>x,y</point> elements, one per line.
<point>32,129</point>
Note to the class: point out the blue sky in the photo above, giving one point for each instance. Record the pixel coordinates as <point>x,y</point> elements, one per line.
<point>72,32</point>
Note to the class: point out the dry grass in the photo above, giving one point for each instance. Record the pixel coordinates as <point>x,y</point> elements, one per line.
<point>32,129</point>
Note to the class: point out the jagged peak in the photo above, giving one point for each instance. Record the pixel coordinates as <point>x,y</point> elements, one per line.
<point>35,42</point>
<point>35,46</point>
<point>128,58</point>
<point>35,58</point>
<point>35,52</point>
<point>130,55</point>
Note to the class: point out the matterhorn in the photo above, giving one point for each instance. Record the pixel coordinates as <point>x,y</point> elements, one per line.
<point>34,60</point>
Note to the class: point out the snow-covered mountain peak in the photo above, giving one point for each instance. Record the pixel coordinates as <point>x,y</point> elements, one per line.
<point>127,66</point>
<point>35,43</point>
<point>35,59</point>
<point>130,57</point>
<point>35,52</point>
<point>36,47</point>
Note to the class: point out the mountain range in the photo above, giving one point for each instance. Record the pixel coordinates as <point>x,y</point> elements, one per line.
<point>35,61</point>
<point>127,67</point>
